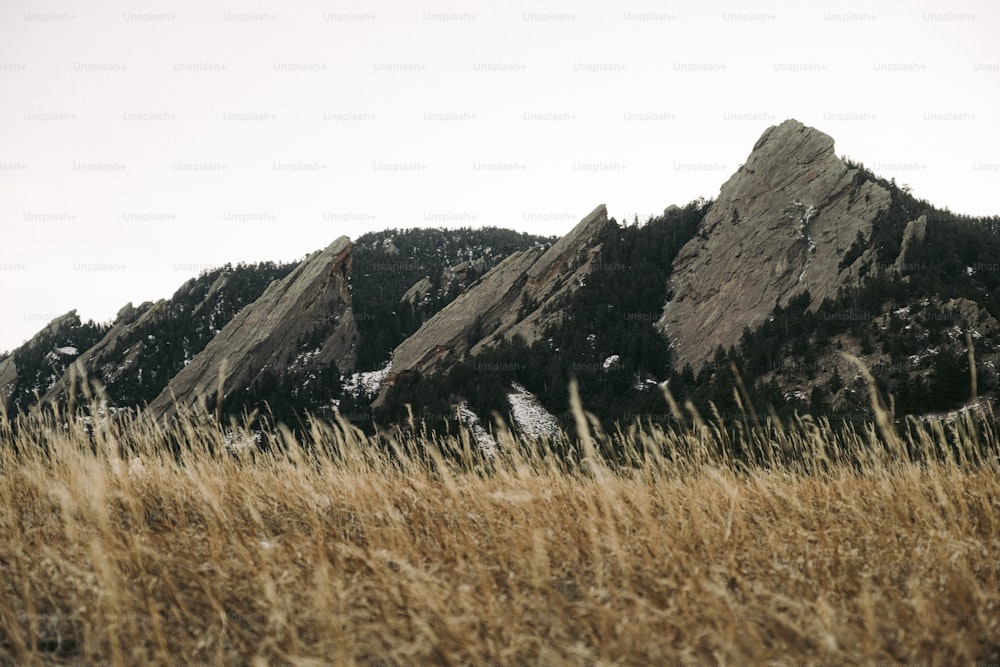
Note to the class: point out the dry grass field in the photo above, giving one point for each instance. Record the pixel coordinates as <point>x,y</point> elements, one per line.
<point>872,549</point>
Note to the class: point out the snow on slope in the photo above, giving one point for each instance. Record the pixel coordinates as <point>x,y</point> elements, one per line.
<point>531,417</point>
<point>367,383</point>
<point>471,421</point>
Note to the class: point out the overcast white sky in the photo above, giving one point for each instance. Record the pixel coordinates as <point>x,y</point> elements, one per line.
<point>141,142</point>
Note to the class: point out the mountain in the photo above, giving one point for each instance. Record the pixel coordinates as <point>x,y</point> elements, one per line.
<point>34,367</point>
<point>394,266</point>
<point>300,330</point>
<point>781,226</point>
<point>520,297</point>
<point>145,346</point>
<point>135,356</point>
<point>584,309</point>
<point>804,256</point>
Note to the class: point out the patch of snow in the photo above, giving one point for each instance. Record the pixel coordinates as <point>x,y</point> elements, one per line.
<point>647,384</point>
<point>235,441</point>
<point>807,214</point>
<point>613,360</point>
<point>529,414</point>
<point>101,418</point>
<point>969,270</point>
<point>929,352</point>
<point>904,311</point>
<point>487,445</point>
<point>69,350</point>
<point>367,383</point>
<point>976,406</point>
<point>805,217</point>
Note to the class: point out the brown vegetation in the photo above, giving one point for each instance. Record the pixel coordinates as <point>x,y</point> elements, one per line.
<point>115,549</point>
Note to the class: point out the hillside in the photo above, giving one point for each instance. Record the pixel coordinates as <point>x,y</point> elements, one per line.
<point>391,264</point>
<point>135,356</point>
<point>804,257</point>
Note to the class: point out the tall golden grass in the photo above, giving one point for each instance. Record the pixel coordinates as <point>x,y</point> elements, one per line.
<point>127,543</point>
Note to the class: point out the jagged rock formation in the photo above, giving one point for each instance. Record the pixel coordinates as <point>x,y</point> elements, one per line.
<point>36,365</point>
<point>518,297</point>
<point>914,233</point>
<point>781,225</point>
<point>146,346</point>
<point>100,358</point>
<point>304,321</point>
<point>793,220</point>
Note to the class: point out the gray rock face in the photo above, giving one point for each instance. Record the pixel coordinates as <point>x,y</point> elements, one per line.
<point>510,299</point>
<point>780,226</point>
<point>8,376</point>
<point>305,316</point>
<point>915,232</point>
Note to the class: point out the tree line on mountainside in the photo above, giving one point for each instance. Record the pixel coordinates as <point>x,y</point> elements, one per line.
<point>608,344</point>
<point>605,339</point>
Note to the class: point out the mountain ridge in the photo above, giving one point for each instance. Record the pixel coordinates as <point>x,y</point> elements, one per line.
<point>802,255</point>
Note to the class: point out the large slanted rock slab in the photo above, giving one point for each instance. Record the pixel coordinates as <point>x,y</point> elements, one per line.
<point>92,358</point>
<point>509,300</point>
<point>146,346</point>
<point>781,225</point>
<point>306,314</point>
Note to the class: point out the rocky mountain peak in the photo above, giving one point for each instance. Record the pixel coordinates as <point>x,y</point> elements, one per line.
<point>781,226</point>
<point>507,301</point>
<point>303,323</point>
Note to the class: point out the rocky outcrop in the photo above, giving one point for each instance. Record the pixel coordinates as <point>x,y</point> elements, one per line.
<point>460,275</point>
<point>8,378</point>
<point>306,316</point>
<point>146,346</point>
<point>914,234</point>
<point>517,297</point>
<point>42,351</point>
<point>100,360</point>
<point>782,224</point>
